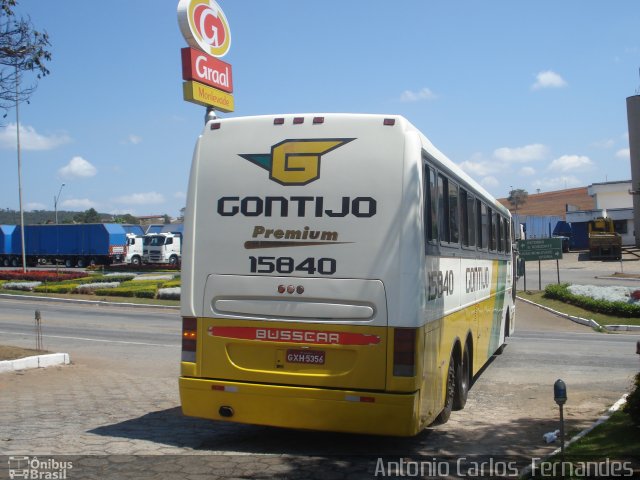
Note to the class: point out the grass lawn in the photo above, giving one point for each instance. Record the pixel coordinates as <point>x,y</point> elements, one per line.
<point>12,353</point>
<point>616,440</point>
<point>602,319</point>
<point>78,296</point>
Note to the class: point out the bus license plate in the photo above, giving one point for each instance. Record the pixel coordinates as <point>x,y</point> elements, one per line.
<point>314,357</point>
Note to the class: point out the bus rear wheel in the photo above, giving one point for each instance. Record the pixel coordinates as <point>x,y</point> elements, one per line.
<point>450,393</point>
<point>462,382</point>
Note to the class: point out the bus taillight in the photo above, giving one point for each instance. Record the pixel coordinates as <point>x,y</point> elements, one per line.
<point>404,352</point>
<point>189,339</point>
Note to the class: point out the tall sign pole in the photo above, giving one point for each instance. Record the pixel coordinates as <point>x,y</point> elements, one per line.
<point>208,81</point>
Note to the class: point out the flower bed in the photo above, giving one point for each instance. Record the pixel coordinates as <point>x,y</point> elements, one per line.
<point>22,286</point>
<point>90,287</point>
<point>596,299</point>
<point>172,293</point>
<point>41,276</point>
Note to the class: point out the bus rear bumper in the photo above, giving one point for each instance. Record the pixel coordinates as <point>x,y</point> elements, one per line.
<point>301,407</point>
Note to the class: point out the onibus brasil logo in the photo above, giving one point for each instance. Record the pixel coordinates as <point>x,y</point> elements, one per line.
<point>295,162</point>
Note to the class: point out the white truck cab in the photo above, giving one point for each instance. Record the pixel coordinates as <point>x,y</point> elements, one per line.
<point>163,248</point>
<point>134,250</point>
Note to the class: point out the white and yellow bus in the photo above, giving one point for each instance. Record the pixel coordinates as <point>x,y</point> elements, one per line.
<point>339,273</point>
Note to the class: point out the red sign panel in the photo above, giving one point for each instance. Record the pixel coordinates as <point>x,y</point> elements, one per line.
<point>203,68</point>
<point>319,337</point>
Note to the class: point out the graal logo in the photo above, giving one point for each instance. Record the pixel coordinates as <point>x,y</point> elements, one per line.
<point>27,467</point>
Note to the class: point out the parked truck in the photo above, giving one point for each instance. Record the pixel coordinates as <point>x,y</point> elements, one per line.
<point>135,249</point>
<point>163,248</point>
<point>70,245</point>
<point>604,242</point>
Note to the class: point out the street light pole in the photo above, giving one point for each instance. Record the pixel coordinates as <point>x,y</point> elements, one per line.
<point>55,202</point>
<point>24,256</point>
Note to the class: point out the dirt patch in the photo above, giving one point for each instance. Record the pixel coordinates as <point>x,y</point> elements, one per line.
<point>12,353</point>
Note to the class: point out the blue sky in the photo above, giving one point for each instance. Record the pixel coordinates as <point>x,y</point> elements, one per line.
<point>523,94</point>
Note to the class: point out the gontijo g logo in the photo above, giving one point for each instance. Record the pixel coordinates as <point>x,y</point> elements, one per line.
<point>204,26</point>
<point>295,162</point>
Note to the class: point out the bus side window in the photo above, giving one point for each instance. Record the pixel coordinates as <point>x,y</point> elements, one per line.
<point>483,225</point>
<point>492,229</point>
<point>431,202</point>
<point>454,213</point>
<point>507,235</point>
<point>499,233</point>
<point>443,209</point>
<point>468,220</point>
<point>464,218</point>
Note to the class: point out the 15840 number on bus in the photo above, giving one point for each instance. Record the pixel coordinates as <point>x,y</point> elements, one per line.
<point>287,265</point>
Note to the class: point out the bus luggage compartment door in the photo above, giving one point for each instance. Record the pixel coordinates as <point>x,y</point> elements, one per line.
<point>312,332</point>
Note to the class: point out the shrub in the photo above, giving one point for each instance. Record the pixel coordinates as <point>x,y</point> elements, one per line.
<point>618,309</point>
<point>172,284</point>
<point>56,288</point>
<point>632,407</point>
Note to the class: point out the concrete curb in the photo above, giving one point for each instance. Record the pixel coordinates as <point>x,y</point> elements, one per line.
<point>585,321</point>
<point>37,361</point>
<point>527,472</point>
<point>86,302</point>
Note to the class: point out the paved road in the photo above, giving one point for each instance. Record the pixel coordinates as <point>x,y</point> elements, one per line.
<point>575,267</point>
<point>120,398</point>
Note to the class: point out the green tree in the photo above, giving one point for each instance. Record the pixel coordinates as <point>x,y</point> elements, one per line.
<point>517,197</point>
<point>22,49</point>
<point>128,219</point>
<point>88,216</point>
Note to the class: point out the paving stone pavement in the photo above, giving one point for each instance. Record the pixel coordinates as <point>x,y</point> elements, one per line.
<point>114,425</point>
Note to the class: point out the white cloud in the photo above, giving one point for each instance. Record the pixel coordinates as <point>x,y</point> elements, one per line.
<point>479,168</point>
<point>134,139</point>
<point>421,95</point>
<point>489,182</point>
<point>624,154</point>
<point>149,198</point>
<point>78,203</point>
<point>31,206</point>
<point>548,79</point>
<point>78,167</point>
<point>528,153</point>
<point>557,183</point>
<point>567,163</point>
<point>527,171</point>
<point>30,139</point>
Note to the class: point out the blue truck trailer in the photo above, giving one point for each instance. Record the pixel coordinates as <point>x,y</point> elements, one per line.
<point>71,245</point>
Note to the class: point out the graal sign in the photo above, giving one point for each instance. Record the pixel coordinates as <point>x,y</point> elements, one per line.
<point>206,69</point>
<point>204,26</point>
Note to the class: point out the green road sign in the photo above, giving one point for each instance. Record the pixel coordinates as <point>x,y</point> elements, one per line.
<point>540,249</point>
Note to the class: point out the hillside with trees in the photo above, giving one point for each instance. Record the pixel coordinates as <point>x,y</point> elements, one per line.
<point>38,217</point>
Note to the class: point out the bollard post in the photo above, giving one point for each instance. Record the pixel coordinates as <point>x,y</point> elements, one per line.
<point>560,397</point>
<point>38,318</point>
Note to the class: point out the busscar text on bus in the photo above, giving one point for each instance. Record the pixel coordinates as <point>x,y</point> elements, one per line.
<point>339,273</point>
